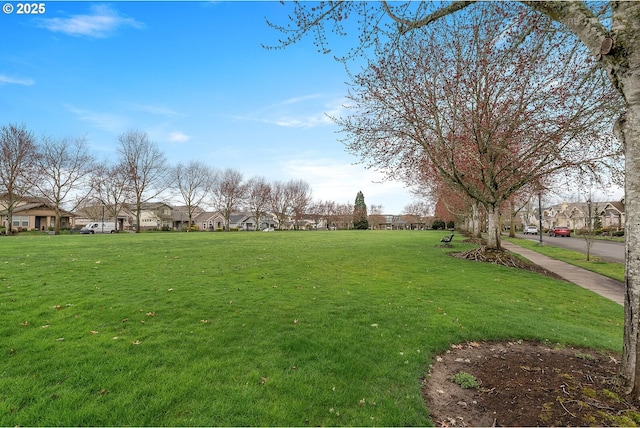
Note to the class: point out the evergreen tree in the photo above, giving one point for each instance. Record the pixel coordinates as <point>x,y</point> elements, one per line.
<point>360,220</point>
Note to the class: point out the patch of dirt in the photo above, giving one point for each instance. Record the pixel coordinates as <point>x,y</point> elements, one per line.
<point>528,384</point>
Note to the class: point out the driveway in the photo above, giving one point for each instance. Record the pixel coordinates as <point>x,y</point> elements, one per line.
<point>606,250</point>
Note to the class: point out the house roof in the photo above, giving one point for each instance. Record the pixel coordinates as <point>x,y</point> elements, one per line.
<point>206,216</point>
<point>153,205</point>
<point>181,213</point>
<point>617,205</point>
<point>35,205</point>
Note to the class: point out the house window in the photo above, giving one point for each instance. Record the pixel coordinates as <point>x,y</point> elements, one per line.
<point>20,221</point>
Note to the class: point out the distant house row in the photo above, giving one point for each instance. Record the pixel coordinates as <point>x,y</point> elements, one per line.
<point>605,215</point>
<point>37,214</point>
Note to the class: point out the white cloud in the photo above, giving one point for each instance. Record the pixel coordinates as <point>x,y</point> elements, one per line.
<point>307,111</point>
<point>340,182</point>
<point>101,22</point>
<point>8,80</point>
<point>178,137</point>
<point>157,110</point>
<point>100,120</point>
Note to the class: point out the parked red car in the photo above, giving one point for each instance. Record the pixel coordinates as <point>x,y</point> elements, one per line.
<point>559,231</point>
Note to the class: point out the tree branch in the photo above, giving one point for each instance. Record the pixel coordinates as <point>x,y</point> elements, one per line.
<point>406,25</point>
<point>577,17</point>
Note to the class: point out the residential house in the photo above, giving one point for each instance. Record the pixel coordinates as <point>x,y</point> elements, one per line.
<point>153,216</point>
<point>180,217</point>
<point>209,220</point>
<point>575,215</point>
<point>390,222</point>
<point>34,214</point>
<point>613,215</point>
<point>241,221</point>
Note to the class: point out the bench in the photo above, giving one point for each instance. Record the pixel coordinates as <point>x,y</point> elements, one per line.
<point>447,240</point>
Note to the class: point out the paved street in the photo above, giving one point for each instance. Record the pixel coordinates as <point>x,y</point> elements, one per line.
<point>606,250</point>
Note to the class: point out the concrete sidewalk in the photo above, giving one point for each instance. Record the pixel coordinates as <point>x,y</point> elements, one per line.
<point>604,286</point>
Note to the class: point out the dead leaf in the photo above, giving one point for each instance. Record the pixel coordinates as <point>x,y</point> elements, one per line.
<point>24,324</point>
<point>94,332</point>
<point>137,342</point>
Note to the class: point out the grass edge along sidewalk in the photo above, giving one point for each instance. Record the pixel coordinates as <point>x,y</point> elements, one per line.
<point>603,267</point>
<point>600,284</point>
<point>286,329</point>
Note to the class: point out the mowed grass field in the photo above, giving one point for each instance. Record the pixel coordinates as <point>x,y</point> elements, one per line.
<point>277,329</point>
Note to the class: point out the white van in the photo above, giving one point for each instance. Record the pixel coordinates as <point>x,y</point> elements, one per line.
<point>106,227</point>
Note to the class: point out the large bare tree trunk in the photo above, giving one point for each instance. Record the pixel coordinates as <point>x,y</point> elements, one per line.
<point>623,66</point>
<point>630,131</point>
<point>493,228</point>
<point>475,220</point>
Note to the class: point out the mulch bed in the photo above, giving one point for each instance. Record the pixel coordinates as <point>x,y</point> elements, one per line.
<point>528,384</point>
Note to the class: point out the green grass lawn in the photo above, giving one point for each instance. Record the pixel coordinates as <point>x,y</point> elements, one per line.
<point>595,264</point>
<point>293,328</point>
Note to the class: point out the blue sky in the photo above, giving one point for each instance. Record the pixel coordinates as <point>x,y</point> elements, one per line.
<point>195,77</point>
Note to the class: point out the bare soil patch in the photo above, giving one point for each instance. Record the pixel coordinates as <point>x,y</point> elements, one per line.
<point>528,384</point>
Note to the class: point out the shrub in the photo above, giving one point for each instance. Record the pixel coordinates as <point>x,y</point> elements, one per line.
<point>465,380</point>
<point>438,224</point>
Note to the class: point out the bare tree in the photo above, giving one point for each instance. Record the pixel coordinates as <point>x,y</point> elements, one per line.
<point>64,169</point>
<point>330,211</point>
<point>376,217</point>
<point>112,189</point>
<point>589,232</point>
<point>517,202</point>
<point>146,168</point>
<point>611,33</point>
<point>316,211</point>
<point>345,215</point>
<point>280,202</point>
<point>479,112</point>
<point>194,182</point>
<point>228,193</point>
<point>18,157</point>
<point>300,196</point>
<point>417,212</point>
<point>258,194</point>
